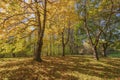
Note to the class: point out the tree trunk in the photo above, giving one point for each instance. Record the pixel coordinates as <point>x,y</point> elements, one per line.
<point>13,55</point>
<point>37,55</point>
<point>63,45</point>
<point>104,53</point>
<point>104,50</point>
<point>50,45</point>
<point>58,49</point>
<point>94,46</point>
<point>41,29</point>
<point>63,50</point>
<point>71,49</point>
<point>95,53</point>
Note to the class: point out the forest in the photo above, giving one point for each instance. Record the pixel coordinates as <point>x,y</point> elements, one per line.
<point>59,39</point>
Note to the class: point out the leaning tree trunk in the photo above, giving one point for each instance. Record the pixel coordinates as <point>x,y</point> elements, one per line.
<point>95,53</point>
<point>41,29</point>
<point>37,54</point>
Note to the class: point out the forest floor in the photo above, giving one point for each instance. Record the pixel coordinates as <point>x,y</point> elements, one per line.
<point>60,68</point>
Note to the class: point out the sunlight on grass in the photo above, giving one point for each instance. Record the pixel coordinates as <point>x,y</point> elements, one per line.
<point>60,68</point>
<point>83,76</point>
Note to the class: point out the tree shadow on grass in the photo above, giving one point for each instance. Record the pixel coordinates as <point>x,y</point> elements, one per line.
<point>60,68</point>
<point>88,67</point>
<point>108,68</point>
<point>32,70</point>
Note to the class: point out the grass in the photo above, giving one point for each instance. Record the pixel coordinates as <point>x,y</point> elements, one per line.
<point>60,68</point>
<point>115,54</point>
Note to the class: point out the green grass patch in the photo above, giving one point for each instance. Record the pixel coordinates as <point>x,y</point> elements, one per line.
<point>115,54</point>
